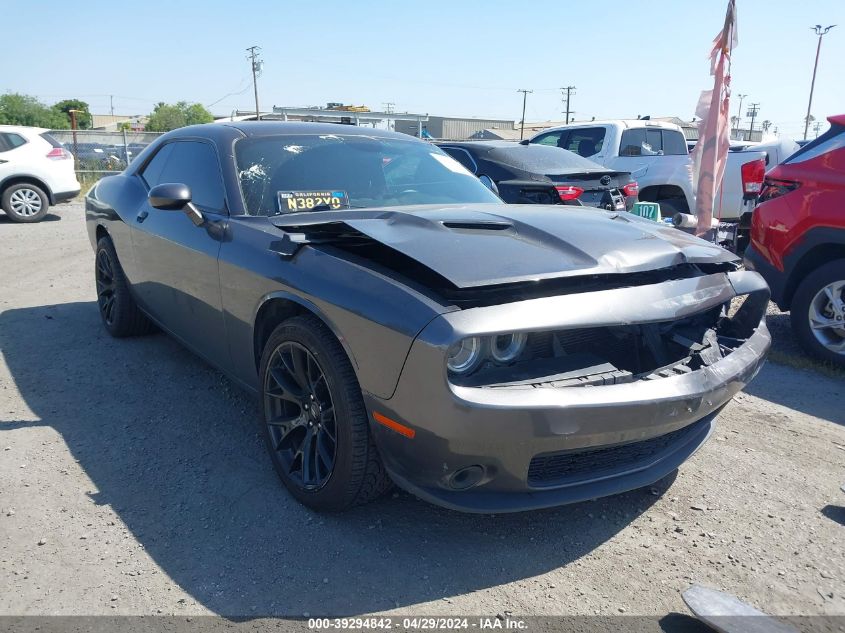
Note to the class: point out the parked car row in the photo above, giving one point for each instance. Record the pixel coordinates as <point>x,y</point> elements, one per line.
<point>106,157</point>
<point>533,174</point>
<point>656,154</point>
<point>604,164</point>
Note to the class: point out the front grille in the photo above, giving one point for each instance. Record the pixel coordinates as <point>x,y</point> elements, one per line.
<point>572,466</point>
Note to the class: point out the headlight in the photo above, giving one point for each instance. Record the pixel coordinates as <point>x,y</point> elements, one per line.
<point>464,355</point>
<point>505,348</point>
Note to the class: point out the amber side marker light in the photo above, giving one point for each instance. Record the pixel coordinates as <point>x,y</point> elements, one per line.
<point>393,425</point>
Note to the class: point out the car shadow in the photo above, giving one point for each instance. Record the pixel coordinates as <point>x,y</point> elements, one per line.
<point>50,217</point>
<point>681,623</point>
<point>799,390</point>
<point>173,447</point>
<point>834,513</point>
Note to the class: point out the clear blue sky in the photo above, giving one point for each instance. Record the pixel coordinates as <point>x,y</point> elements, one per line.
<point>452,57</point>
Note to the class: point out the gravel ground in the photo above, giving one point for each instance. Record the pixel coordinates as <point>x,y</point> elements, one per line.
<point>134,482</point>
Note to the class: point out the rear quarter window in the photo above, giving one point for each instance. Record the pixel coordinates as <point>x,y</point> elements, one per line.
<point>50,139</point>
<point>674,143</point>
<point>10,140</point>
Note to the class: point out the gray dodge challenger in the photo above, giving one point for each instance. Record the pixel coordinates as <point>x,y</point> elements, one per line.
<point>399,323</point>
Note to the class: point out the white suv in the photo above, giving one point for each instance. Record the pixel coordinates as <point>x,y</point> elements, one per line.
<point>654,152</point>
<point>36,171</point>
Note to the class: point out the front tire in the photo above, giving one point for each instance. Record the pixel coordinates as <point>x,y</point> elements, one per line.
<point>25,203</point>
<point>313,419</point>
<point>118,310</point>
<point>818,313</point>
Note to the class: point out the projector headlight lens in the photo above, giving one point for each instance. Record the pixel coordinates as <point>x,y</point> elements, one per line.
<point>464,355</point>
<point>505,348</point>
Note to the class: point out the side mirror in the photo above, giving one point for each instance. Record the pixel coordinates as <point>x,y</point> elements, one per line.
<point>173,196</point>
<point>170,196</point>
<point>488,182</point>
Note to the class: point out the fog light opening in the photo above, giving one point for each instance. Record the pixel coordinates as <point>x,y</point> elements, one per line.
<point>466,477</point>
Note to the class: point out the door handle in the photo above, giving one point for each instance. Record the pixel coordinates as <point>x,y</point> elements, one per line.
<point>142,216</point>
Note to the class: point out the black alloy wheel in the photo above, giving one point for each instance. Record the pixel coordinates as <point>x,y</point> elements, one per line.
<point>300,416</point>
<point>313,418</point>
<point>105,286</point>
<point>118,310</point>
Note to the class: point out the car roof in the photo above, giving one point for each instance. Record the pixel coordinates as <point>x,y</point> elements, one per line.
<point>270,128</point>
<point>23,128</point>
<point>627,123</point>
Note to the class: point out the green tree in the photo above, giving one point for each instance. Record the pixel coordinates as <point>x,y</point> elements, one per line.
<point>18,109</point>
<point>166,117</point>
<point>195,114</point>
<point>83,118</point>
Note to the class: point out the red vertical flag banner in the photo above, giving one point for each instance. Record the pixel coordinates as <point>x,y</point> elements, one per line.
<point>711,150</point>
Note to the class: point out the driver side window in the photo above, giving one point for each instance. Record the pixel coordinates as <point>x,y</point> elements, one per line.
<point>192,163</point>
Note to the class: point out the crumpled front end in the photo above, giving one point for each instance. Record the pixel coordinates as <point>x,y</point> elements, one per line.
<point>599,392</point>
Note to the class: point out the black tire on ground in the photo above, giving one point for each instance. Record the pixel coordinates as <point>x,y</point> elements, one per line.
<point>808,288</point>
<point>357,475</point>
<point>24,203</point>
<point>118,310</point>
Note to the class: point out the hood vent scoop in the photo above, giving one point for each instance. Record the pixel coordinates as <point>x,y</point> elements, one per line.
<point>478,226</point>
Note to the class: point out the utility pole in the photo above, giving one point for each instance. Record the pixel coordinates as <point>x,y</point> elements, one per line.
<point>739,114</point>
<point>570,90</point>
<point>111,104</point>
<point>256,69</point>
<point>525,94</point>
<point>816,127</point>
<point>388,109</point>
<point>821,32</point>
<point>753,109</point>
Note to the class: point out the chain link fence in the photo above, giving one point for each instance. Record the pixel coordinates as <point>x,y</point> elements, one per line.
<point>98,153</point>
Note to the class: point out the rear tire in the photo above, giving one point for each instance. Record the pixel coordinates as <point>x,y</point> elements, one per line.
<point>25,203</point>
<point>812,305</point>
<point>314,421</point>
<point>118,310</point>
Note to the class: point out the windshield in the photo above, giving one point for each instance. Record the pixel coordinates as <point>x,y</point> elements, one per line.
<point>335,171</point>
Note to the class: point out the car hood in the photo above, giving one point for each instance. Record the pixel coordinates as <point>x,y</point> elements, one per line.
<point>490,244</point>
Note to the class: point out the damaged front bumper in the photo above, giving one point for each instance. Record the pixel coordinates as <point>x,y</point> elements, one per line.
<point>540,443</point>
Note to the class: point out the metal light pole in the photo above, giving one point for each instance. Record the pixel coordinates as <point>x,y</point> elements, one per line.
<point>256,68</point>
<point>522,123</point>
<point>739,114</point>
<point>821,32</point>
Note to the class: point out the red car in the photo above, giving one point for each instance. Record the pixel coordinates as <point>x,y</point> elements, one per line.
<point>798,241</point>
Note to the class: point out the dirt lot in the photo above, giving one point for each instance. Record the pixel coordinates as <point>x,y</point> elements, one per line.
<point>133,481</point>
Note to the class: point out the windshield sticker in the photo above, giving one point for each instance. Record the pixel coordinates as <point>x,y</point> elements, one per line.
<point>296,201</point>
